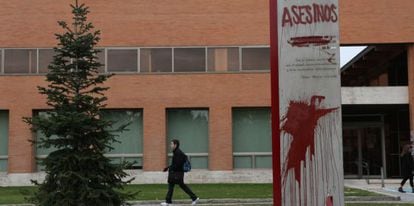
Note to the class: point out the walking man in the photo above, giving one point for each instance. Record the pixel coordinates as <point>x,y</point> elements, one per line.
<point>176,174</point>
<point>407,167</point>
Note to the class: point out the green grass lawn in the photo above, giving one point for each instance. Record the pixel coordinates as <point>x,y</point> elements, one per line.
<point>356,192</point>
<point>15,195</point>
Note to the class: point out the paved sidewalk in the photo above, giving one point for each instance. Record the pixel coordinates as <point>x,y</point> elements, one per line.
<point>390,188</point>
<point>214,202</point>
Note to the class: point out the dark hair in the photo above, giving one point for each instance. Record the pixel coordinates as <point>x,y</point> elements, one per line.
<point>176,142</point>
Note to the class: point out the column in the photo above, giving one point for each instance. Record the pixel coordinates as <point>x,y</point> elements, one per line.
<point>220,138</point>
<point>410,63</point>
<point>21,151</point>
<point>155,151</point>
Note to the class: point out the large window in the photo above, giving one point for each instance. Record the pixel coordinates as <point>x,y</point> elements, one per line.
<point>189,60</point>
<point>190,126</point>
<point>156,60</point>
<point>18,61</point>
<point>252,138</point>
<point>223,59</point>
<point>255,58</point>
<point>122,60</point>
<point>129,148</point>
<point>4,138</point>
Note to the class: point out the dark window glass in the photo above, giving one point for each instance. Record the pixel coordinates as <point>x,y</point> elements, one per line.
<point>156,60</point>
<point>122,60</point>
<point>256,59</point>
<point>101,59</point>
<point>189,60</point>
<point>20,61</point>
<point>45,59</point>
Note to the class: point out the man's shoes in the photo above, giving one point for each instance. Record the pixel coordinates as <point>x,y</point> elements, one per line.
<point>401,190</point>
<point>195,201</point>
<point>164,204</point>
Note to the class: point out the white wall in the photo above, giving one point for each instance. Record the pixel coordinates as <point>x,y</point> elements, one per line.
<point>375,95</point>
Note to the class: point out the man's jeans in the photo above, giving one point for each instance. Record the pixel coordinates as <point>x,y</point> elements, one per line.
<point>184,187</point>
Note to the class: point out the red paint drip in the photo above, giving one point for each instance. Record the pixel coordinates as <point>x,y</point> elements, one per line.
<point>300,122</point>
<point>306,41</point>
<point>329,201</point>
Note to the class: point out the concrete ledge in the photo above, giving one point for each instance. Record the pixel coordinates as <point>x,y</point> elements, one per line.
<point>142,177</point>
<point>211,202</point>
<point>371,198</point>
<point>375,95</point>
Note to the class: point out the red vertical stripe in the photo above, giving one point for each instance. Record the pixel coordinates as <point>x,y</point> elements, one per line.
<point>274,50</point>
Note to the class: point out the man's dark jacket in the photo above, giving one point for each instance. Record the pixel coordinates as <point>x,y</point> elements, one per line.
<point>407,165</point>
<point>176,170</point>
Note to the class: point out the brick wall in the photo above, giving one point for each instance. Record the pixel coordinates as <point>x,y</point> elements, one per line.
<point>152,93</point>
<point>32,23</point>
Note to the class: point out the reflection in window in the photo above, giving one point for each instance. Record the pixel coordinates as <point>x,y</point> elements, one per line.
<point>252,135</point>
<point>190,126</point>
<point>129,148</point>
<point>223,59</point>
<point>18,61</point>
<point>255,58</point>
<point>45,59</point>
<point>4,138</point>
<point>156,60</point>
<point>189,60</point>
<point>122,60</point>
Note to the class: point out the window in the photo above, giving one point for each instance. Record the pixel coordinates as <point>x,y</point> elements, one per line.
<point>223,59</point>
<point>1,61</point>
<point>18,61</point>
<point>255,58</point>
<point>189,60</point>
<point>129,148</point>
<point>4,138</point>
<point>190,127</point>
<point>122,60</point>
<point>156,60</point>
<point>252,138</point>
<point>101,59</point>
<point>45,59</point>
<point>42,153</point>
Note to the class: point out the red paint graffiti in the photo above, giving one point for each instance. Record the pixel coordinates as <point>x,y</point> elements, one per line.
<point>300,122</point>
<point>307,41</point>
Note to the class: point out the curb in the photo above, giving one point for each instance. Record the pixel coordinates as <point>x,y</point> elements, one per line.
<point>253,202</point>
<point>210,202</point>
<point>385,196</point>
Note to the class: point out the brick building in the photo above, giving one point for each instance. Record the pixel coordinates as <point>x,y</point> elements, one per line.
<point>199,71</point>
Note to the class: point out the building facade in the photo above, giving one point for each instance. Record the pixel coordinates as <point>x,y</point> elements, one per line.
<point>198,71</point>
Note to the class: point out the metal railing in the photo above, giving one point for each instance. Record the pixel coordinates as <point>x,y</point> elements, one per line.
<point>122,156</point>
<point>4,157</point>
<point>252,156</point>
<point>190,155</point>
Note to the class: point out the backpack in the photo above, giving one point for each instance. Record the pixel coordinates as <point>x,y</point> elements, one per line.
<point>187,165</point>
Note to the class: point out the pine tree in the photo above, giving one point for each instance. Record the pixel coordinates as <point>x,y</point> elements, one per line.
<point>77,172</point>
